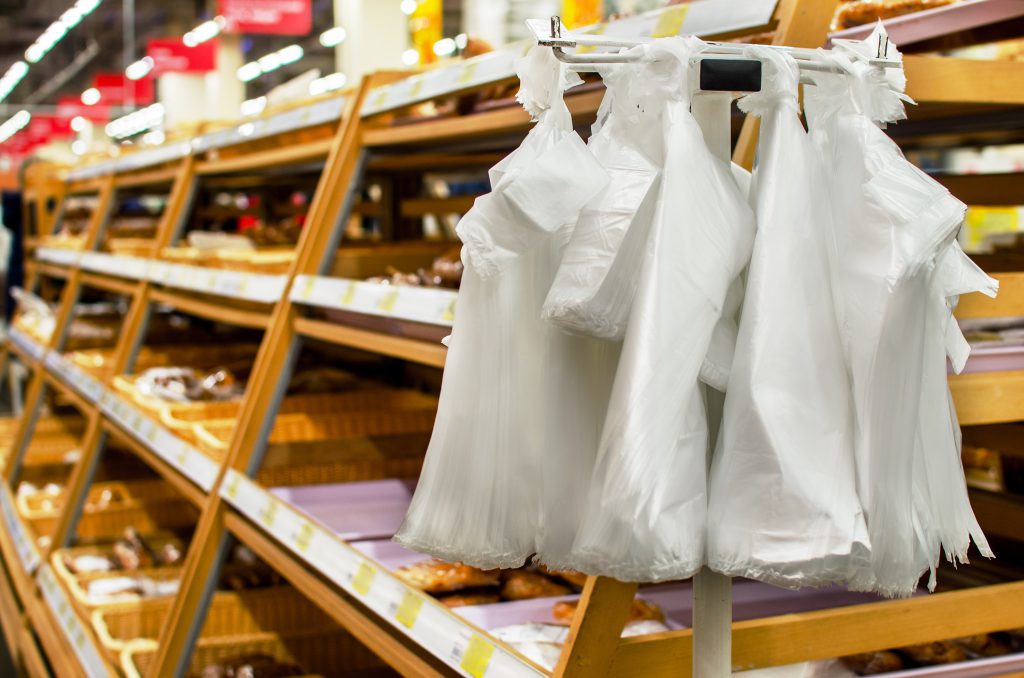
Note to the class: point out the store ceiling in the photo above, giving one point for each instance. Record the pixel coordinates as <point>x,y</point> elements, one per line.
<point>22,21</point>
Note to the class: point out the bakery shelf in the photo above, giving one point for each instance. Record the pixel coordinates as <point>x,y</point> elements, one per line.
<point>257,287</point>
<point>58,255</point>
<point>428,305</point>
<point>413,350</point>
<point>21,537</point>
<point>58,271</point>
<point>26,344</point>
<point>932,23</point>
<point>213,309</point>
<point>74,630</point>
<point>297,537</point>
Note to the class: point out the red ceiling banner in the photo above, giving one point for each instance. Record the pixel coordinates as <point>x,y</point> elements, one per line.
<point>70,106</point>
<point>277,17</point>
<point>171,55</point>
<point>115,87</point>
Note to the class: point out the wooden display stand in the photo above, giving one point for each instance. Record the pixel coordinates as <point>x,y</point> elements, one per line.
<point>362,596</point>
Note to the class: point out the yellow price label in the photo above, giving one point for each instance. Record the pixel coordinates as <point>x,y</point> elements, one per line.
<point>244,285</point>
<point>304,537</point>
<point>212,280</point>
<point>467,73</point>
<point>478,657</point>
<point>379,97</point>
<point>388,301</point>
<point>670,22</point>
<point>449,312</point>
<point>269,513</point>
<point>350,294</point>
<point>182,456</point>
<point>307,289</point>
<point>416,88</point>
<point>409,609</point>
<point>232,489</point>
<point>363,578</point>
<point>79,639</point>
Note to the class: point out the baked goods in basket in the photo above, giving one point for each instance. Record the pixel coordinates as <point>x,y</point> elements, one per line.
<point>437,576</point>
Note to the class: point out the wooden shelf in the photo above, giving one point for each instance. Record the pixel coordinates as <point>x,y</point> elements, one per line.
<point>218,312</point>
<point>412,350</point>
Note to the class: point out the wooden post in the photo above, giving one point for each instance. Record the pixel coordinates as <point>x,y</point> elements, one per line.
<point>596,628</point>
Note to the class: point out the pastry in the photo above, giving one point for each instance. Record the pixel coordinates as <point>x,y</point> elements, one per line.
<point>640,610</point>
<point>523,584</point>
<point>577,579</point>
<point>464,598</point>
<point>871,663</point>
<point>937,652</point>
<point>437,576</point>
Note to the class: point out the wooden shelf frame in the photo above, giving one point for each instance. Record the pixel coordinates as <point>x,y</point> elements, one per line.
<point>594,647</point>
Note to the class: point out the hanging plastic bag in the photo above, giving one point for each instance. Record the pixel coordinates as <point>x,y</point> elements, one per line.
<point>594,287</point>
<point>783,501</point>
<point>647,504</point>
<point>899,278</point>
<point>480,494</point>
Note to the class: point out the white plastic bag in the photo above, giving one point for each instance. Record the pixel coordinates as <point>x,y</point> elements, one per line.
<point>481,497</point>
<point>899,276</point>
<point>594,287</point>
<point>647,504</point>
<point>783,502</point>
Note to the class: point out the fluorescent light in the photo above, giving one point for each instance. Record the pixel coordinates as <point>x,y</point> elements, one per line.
<point>78,123</point>
<point>87,6</point>
<point>14,124</point>
<point>10,79</point>
<point>333,36</point>
<point>154,138</point>
<point>461,40</point>
<point>328,83</point>
<point>249,71</point>
<point>18,70</point>
<point>34,53</point>
<point>410,57</point>
<point>444,47</point>
<point>204,31</point>
<point>290,54</point>
<point>134,123</point>
<point>139,69</point>
<point>269,62</point>
<point>408,6</point>
<point>246,129</point>
<point>71,17</point>
<point>91,96</point>
<point>253,106</point>
<point>58,29</point>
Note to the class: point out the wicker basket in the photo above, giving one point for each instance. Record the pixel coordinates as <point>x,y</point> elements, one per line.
<point>272,260</point>
<point>146,505</point>
<point>322,652</point>
<point>131,247</point>
<point>77,584</point>
<point>230,613</point>
<point>214,436</point>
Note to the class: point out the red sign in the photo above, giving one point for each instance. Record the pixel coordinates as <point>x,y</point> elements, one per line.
<point>171,55</point>
<point>46,127</point>
<point>70,106</point>
<point>278,17</point>
<point>115,87</point>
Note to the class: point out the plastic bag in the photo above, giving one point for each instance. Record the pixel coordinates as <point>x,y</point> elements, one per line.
<point>481,496</point>
<point>783,501</point>
<point>647,503</point>
<point>899,277</point>
<point>594,287</point>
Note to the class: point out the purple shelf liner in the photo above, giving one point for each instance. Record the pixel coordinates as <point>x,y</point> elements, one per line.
<point>365,510</point>
<point>993,359</point>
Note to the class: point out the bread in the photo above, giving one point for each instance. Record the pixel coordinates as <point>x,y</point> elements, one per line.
<point>937,652</point>
<point>640,610</point>
<point>464,598</point>
<point>852,14</point>
<point>523,585</point>
<point>871,663</point>
<point>437,576</point>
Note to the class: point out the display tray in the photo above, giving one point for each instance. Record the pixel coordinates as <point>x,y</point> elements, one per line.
<point>994,358</point>
<point>397,327</point>
<point>364,510</point>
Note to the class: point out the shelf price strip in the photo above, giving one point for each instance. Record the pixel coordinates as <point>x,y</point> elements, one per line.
<point>462,647</point>
<point>135,268</point>
<point>58,255</point>
<point>258,287</point>
<point>89,388</point>
<point>189,461</point>
<point>23,544</point>
<point>27,344</point>
<point>420,304</point>
<point>85,649</point>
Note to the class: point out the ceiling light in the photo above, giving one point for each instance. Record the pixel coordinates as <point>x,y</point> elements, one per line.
<point>251,107</point>
<point>34,53</point>
<point>139,69</point>
<point>204,31</point>
<point>91,96</point>
<point>269,62</point>
<point>328,83</point>
<point>249,71</point>
<point>444,47</point>
<point>14,124</point>
<point>461,40</point>
<point>78,123</point>
<point>408,6</point>
<point>290,54</point>
<point>333,36</point>
<point>134,123</point>
<point>410,57</point>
